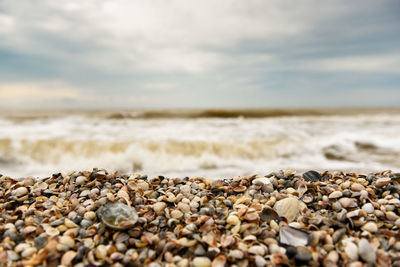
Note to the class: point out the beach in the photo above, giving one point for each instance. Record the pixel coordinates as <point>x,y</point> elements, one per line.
<point>283,218</point>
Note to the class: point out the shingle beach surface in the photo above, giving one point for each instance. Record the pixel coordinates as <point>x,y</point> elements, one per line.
<point>96,218</point>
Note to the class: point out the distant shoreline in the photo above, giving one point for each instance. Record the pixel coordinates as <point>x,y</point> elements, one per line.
<point>198,113</point>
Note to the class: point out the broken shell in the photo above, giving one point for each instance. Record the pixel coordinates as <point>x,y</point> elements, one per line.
<point>117,215</point>
<point>268,215</point>
<point>289,208</point>
<point>293,236</point>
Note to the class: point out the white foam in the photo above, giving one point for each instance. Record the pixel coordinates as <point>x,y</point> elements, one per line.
<point>207,147</point>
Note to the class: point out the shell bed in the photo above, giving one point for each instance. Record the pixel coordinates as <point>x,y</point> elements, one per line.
<point>96,218</point>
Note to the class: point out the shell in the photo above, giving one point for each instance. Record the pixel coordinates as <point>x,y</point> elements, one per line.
<point>118,215</point>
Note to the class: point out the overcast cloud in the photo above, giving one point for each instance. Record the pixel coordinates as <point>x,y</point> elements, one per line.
<point>120,53</point>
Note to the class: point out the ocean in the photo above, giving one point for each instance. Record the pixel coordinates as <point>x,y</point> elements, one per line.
<point>208,143</point>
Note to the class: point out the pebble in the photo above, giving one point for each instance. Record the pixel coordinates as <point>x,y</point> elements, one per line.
<point>347,203</point>
<point>351,250</point>
<point>28,252</point>
<point>257,250</point>
<point>370,227</point>
<point>303,254</point>
<point>20,191</point>
<point>335,194</point>
<point>67,241</point>
<point>201,262</point>
<point>80,180</point>
<point>383,181</point>
<point>366,251</point>
<point>368,208</point>
<point>90,216</point>
<point>260,261</point>
<point>67,258</point>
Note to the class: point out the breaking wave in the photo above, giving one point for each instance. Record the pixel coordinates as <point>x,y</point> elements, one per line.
<point>210,147</point>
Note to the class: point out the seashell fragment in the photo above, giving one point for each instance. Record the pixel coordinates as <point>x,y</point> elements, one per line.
<point>311,176</point>
<point>268,215</point>
<point>289,208</point>
<point>117,215</point>
<point>293,236</point>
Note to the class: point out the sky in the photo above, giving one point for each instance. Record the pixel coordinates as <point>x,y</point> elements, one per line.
<point>98,54</point>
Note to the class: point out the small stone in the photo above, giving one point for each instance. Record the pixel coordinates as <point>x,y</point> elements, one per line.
<point>28,229</point>
<point>67,241</point>
<point>366,251</point>
<point>69,223</point>
<point>28,252</point>
<point>86,223</point>
<point>67,258</point>
<point>335,194</point>
<point>80,180</point>
<point>236,254</point>
<point>90,216</point>
<point>201,262</point>
<point>311,176</point>
<point>303,254</point>
<point>368,208</point>
<point>347,202</point>
<point>20,191</point>
<point>57,222</point>
<point>391,216</point>
<point>257,250</point>
<point>260,261</point>
<point>357,187</point>
<point>40,242</point>
<point>351,250</point>
<point>228,203</point>
<point>383,181</point>
<point>261,181</point>
<point>370,227</point>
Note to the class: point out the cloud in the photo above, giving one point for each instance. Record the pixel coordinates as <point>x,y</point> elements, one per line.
<point>19,94</point>
<point>374,64</point>
<point>177,52</point>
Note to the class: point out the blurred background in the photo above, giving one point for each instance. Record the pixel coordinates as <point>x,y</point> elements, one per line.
<point>187,88</point>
